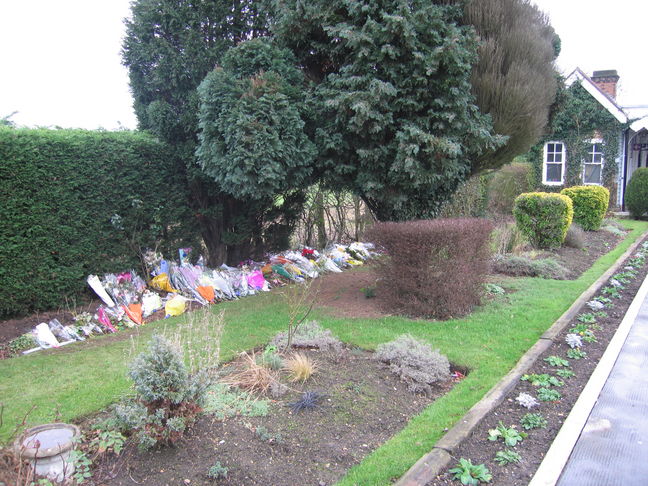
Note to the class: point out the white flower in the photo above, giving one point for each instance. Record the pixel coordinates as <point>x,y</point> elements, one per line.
<point>573,340</point>
<point>526,400</point>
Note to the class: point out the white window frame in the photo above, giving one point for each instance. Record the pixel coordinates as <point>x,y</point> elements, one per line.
<point>545,163</point>
<point>589,161</point>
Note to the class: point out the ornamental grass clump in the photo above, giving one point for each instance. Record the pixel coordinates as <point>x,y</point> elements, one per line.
<point>415,362</point>
<point>590,205</point>
<point>543,217</point>
<point>433,268</point>
<point>168,398</point>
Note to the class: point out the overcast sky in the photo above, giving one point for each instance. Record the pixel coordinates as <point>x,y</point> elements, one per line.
<point>61,63</point>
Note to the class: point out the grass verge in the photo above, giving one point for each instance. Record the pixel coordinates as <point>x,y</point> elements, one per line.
<point>83,378</point>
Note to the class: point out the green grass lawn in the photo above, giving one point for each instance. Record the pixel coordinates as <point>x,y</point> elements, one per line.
<point>81,379</point>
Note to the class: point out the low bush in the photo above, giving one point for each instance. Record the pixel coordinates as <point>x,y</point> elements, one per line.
<point>309,335</point>
<point>590,205</point>
<point>434,268</point>
<point>575,237</point>
<point>168,398</point>
<point>543,217</point>
<point>636,196</point>
<point>415,362</point>
<point>520,266</point>
<point>505,185</point>
<point>300,367</point>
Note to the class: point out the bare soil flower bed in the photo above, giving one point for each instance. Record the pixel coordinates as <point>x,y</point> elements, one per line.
<point>363,405</point>
<point>532,449</point>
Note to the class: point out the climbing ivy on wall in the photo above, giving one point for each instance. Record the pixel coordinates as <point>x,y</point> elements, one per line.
<point>578,119</point>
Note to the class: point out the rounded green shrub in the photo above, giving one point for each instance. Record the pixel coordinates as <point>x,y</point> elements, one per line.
<point>590,205</point>
<point>636,196</point>
<point>543,217</point>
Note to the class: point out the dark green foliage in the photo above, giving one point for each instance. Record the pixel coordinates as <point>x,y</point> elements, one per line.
<point>590,205</point>
<point>636,196</point>
<point>520,266</point>
<point>308,401</point>
<point>167,397</point>
<point>398,124</point>
<point>543,217</point>
<point>548,395</point>
<point>469,200</point>
<point>435,268</point>
<point>77,202</point>
<point>514,79</point>
<point>252,138</point>
<point>169,48</point>
<point>505,185</point>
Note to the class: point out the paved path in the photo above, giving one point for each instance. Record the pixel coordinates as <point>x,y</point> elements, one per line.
<point>613,446</point>
<point>604,441</point>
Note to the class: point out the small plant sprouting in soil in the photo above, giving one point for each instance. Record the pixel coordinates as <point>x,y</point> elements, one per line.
<point>263,434</point>
<point>507,456</point>
<point>217,471</point>
<point>369,292</point>
<point>300,367</point>
<point>415,362</point>
<point>548,395</point>
<point>510,435</point>
<point>308,401</point>
<point>565,373</point>
<point>533,421</point>
<point>612,292</point>
<point>544,379</point>
<point>470,474</point>
<point>526,400</point>
<point>576,354</point>
<point>587,318</point>
<point>557,361</point>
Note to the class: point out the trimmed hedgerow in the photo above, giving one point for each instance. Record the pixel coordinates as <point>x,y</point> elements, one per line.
<point>76,202</point>
<point>434,268</point>
<point>590,205</point>
<point>543,217</point>
<point>636,196</point>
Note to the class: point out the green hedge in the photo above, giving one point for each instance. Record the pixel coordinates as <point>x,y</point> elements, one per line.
<point>636,196</point>
<point>543,217</point>
<point>590,205</point>
<point>76,202</point>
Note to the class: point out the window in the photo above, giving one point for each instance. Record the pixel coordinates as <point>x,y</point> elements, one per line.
<point>553,170</point>
<point>593,164</point>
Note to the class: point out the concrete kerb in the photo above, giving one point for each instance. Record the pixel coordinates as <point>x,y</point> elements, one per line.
<point>435,461</point>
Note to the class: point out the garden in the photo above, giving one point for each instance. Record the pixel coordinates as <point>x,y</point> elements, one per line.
<point>313,258</point>
<point>350,377</point>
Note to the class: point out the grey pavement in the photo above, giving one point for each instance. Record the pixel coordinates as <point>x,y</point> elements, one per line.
<point>612,448</point>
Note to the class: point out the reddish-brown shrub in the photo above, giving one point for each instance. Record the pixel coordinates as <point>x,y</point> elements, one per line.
<point>432,268</point>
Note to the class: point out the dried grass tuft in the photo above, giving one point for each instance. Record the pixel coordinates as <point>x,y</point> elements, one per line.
<point>251,375</point>
<point>300,367</point>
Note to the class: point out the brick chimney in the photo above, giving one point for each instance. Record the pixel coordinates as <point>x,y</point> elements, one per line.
<point>606,81</point>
